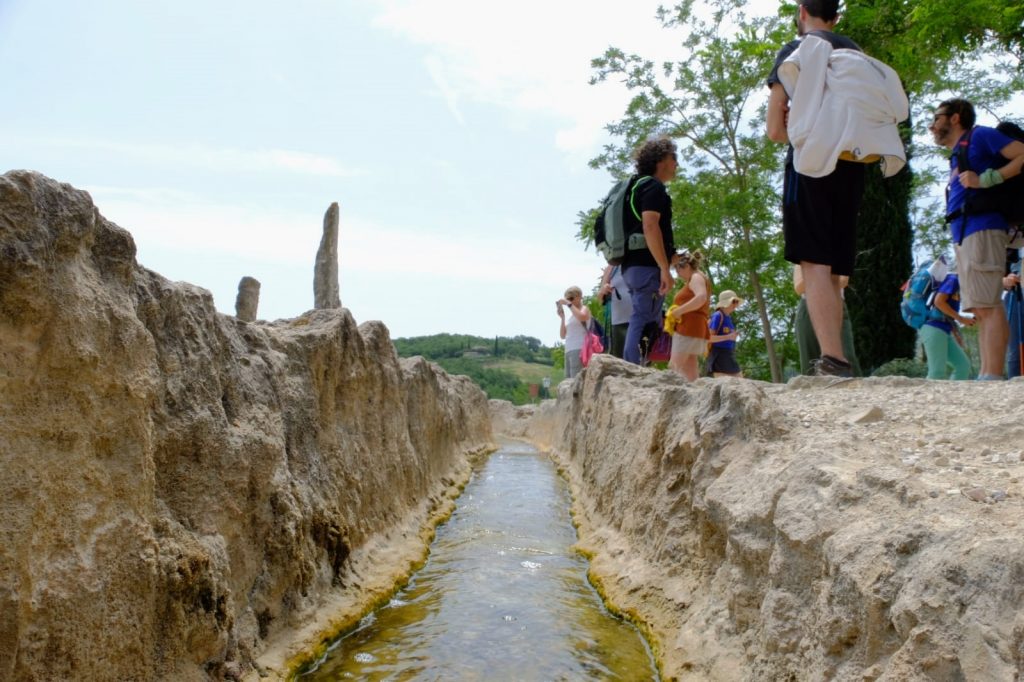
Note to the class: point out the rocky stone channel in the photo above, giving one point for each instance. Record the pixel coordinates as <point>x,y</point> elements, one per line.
<point>854,530</point>
<point>187,495</point>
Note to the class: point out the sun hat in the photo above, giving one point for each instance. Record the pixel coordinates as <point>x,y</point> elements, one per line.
<point>726,298</point>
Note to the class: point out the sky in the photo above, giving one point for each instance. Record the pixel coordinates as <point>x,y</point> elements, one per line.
<point>454,136</point>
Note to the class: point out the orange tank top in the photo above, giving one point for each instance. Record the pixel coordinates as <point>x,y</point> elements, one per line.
<point>695,322</point>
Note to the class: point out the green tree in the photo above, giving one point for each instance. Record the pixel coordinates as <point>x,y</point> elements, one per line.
<point>939,47</point>
<point>726,195</point>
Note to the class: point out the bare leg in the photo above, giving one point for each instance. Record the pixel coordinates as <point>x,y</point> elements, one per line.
<point>825,305</point>
<point>690,367</point>
<point>675,363</point>
<point>993,332</point>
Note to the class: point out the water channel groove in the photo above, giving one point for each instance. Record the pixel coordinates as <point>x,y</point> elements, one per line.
<point>502,595</point>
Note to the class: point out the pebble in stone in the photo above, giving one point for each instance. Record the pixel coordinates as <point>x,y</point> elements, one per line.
<point>1013,457</point>
<point>933,494</point>
<point>996,458</point>
<point>975,494</point>
<point>866,416</point>
<point>998,495</point>
<point>985,452</point>
<point>942,461</point>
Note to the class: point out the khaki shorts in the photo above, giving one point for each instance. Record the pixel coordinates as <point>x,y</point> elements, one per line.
<point>688,345</point>
<point>980,264</point>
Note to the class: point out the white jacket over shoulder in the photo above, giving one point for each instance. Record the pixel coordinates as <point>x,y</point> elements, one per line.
<point>842,102</point>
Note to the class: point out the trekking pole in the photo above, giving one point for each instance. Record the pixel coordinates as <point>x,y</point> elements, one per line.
<point>1020,329</point>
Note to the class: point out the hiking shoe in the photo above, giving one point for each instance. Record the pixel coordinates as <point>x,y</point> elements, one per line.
<point>828,366</point>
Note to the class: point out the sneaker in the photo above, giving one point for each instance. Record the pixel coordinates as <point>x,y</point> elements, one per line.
<point>990,377</point>
<point>828,366</point>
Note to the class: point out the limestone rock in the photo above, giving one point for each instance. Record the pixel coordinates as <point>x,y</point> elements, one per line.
<point>759,546</point>
<point>325,272</point>
<point>180,491</point>
<point>248,300</point>
<point>866,416</point>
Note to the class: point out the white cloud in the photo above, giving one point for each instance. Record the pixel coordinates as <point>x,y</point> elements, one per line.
<point>451,98</point>
<point>477,284</point>
<point>218,159</point>
<point>534,55</point>
<point>168,218</point>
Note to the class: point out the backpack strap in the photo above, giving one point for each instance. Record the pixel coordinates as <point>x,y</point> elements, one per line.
<point>632,196</point>
<point>963,164</point>
<point>721,323</point>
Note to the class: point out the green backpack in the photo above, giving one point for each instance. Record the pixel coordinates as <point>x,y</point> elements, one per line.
<point>614,231</point>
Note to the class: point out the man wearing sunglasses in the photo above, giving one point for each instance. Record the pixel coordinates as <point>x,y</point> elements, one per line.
<point>979,236</point>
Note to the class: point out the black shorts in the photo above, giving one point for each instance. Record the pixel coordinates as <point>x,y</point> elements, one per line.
<point>723,361</point>
<point>819,216</point>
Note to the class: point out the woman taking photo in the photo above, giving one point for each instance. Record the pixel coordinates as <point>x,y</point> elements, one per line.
<point>690,310</point>
<point>573,331</point>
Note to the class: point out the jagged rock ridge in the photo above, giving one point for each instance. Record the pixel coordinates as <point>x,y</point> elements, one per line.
<point>179,487</point>
<point>768,532</point>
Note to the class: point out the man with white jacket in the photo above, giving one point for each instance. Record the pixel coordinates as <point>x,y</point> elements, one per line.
<point>819,214</point>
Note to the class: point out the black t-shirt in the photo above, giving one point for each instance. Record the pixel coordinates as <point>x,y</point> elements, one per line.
<point>837,41</point>
<point>651,195</point>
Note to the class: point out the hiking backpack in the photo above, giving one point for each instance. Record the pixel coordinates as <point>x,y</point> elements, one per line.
<point>1006,198</point>
<point>919,292</point>
<point>612,233</point>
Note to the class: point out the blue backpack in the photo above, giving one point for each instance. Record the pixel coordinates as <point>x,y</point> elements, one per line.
<point>918,297</point>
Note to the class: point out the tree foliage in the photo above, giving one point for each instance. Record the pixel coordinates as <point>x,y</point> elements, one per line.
<point>472,356</point>
<point>726,200</point>
<point>726,197</point>
<point>940,48</point>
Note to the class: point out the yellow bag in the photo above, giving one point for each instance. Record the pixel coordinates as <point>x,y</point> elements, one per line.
<point>670,320</point>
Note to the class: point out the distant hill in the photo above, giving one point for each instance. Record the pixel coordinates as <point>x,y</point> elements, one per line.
<point>503,367</point>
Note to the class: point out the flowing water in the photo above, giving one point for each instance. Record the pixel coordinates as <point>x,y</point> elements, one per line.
<point>501,597</point>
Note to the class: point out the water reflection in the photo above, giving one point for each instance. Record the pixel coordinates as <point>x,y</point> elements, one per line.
<point>501,597</point>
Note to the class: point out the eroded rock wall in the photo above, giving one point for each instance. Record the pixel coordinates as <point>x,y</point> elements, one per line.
<point>861,530</point>
<point>178,487</point>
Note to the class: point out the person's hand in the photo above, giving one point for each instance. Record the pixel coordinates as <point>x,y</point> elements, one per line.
<point>733,335</point>
<point>1011,280</point>
<point>966,321</point>
<point>970,180</point>
<point>605,290</point>
<point>560,309</point>
<point>677,312</point>
<point>666,282</point>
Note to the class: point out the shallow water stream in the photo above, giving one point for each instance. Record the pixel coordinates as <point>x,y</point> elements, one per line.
<point>501,597</point>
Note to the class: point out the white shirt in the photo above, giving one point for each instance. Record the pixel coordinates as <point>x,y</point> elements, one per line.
<point>575,332</point>
<point>842,100</point>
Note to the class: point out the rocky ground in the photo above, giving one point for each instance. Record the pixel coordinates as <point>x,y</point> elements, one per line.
<point>864,529</point>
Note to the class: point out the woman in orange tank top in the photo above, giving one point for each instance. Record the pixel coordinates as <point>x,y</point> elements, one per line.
<point>690,309</point>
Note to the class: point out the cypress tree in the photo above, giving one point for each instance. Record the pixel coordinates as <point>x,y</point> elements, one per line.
<point>884,243</point>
